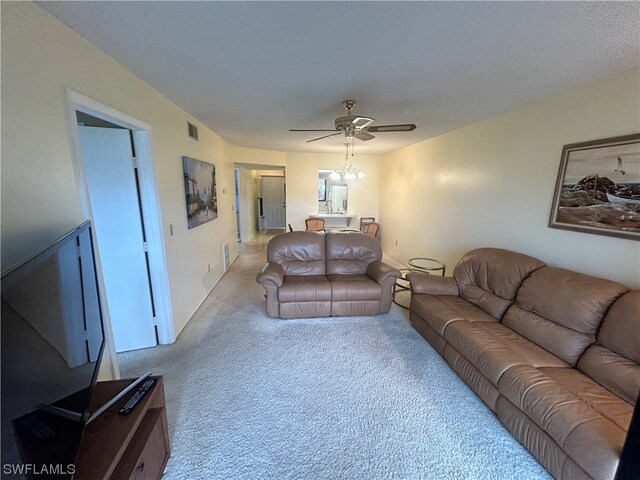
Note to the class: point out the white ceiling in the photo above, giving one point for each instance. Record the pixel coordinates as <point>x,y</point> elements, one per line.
<point>252,70</point>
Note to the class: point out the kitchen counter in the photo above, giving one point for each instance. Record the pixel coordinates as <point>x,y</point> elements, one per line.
<point>335,220</point>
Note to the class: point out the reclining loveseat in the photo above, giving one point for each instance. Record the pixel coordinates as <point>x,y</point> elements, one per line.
<point>309,274</point>
<point>554,353</point>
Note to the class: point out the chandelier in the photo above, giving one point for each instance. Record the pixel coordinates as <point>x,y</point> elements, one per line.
<point>347,172</point>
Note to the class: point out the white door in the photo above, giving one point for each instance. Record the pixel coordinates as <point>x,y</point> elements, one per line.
<point>115,204</point>
<point>273,198</point>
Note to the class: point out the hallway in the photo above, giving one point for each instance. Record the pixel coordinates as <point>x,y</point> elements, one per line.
<point>258,242</point>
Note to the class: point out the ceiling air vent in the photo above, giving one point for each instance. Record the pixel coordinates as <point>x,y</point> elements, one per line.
<point>192,130</point>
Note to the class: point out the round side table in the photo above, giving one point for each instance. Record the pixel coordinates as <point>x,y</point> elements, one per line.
<point>403,288</point>
<point>428,265</point>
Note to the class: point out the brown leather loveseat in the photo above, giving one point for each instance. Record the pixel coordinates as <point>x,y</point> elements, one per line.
<point>554,353</point>
<point>338,274</point>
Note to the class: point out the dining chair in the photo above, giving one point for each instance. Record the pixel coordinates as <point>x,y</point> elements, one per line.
<point>314,224</point>
<point>372,229</point>
<point>364,221</point>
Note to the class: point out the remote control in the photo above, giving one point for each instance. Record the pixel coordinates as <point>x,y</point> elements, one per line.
<point>139,395</point>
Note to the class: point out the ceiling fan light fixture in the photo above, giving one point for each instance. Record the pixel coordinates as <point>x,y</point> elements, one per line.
<point>342,123</point>
<point>362,122</point>
<point>347,172</point>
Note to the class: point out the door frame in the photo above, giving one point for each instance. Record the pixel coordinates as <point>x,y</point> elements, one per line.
<point>236,202</point>
<point>150,205</point>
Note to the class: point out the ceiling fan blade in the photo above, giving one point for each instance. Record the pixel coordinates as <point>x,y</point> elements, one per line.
<point>405,127</point>
<point>363,136</point>
<point>326,136</point>
<point>324,130</point>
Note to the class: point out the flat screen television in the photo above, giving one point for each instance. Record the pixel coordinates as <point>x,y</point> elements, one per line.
<point>52,343</point>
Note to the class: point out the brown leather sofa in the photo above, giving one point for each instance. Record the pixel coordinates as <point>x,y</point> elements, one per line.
<point>338,274</point>
<point>554,353</point>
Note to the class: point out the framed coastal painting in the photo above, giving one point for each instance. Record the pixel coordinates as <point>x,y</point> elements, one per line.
<point>598,188</point>
<point>200,191</point>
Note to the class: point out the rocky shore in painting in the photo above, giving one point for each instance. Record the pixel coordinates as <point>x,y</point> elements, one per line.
<point>599,202</point>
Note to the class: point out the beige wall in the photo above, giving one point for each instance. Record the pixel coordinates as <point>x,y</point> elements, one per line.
<point>302,185</point>
<point>492,183</point>
<point>255,157</point>
<point>269,173</point>
<point>40,198</point>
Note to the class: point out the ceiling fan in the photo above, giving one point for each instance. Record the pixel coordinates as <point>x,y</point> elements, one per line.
<point>356,126</point>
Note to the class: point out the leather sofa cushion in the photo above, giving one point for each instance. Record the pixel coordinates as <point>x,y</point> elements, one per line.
<point>538,442</point>
<point>593,441</point>
<point>438,311</point>
<point>566,309</point>
<point>305,288</point>
<point>613,360</point>
<point>490,277</point>
<point>359,307</point>
<point>351,253</point>
<point>305,309</point>
<point>298,253</point>
<point>486,390</point>
<point>354,287</point>
<point>530,352</point>
<point>493,349</point>
<point>436,340</point>
<point>593,394</point>
<point>620,330</point>
<point>564,342</point>
<point>617,373</point>
<point>490,357</point>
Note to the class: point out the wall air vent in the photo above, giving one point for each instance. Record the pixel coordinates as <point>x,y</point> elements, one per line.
<point>227,258</point>
<point>192,130</point>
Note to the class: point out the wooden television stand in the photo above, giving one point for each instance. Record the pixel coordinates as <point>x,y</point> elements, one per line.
<point>134,446</point>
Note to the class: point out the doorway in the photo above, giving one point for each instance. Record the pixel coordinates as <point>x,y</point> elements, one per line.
<point>115,177</point>
<point>274,201</point>
<point>250,201</point>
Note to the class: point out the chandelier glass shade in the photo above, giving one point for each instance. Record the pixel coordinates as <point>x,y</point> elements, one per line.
<point>347,172</point>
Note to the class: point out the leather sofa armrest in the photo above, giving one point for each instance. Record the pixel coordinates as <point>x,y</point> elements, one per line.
<point>432,285</point>
<point>380,271</point>
<point>271,272</point>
